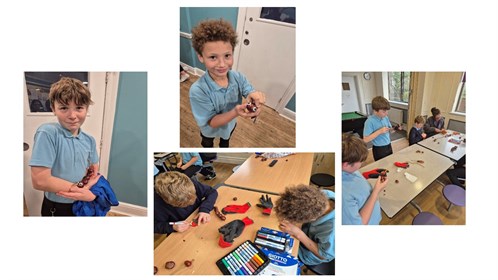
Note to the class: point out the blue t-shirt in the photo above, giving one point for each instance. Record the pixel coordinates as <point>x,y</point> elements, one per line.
<point>66,155</point>
<point>321,231</point>
<point>208,99</point>
<point>186,157</point>
<point>355,192</point>
<point>372,124</point>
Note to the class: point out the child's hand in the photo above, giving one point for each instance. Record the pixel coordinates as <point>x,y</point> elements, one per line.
<point>76,193</point>
<point>179,165</point>
<point>257,97</point>
<point>242,112</point>
<point>384,129</point>
<point>380,185</point>
<point>290,228</point>
<point>203,218</point>
<point>92,182</point>
<point>181,227</point>
<point>424,135</point>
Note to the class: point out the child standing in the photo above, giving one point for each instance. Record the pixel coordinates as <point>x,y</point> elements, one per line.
<point>377,128</point>
<point>62,152</point>
<point>307,213</point>
<point>176,197</point>
<point>416,132</point>
<point>360,204</point>
<point>217,96</point>
<point>189,164</point>
<point>435,123</point>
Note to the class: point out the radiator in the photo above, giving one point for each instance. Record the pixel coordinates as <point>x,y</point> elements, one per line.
<point>396,115</point>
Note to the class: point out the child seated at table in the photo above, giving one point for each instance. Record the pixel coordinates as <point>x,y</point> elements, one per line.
<point>416,132</point>
<point>176,197</point>
<point>360,204</point>
<point>308,214</point>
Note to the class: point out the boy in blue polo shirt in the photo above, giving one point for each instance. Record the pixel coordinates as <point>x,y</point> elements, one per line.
<point>62,152</point>
<point>217,96</point>
<point>308,214</point>
<point>360,203</point>
<point>189,164</point>
<point>377,128</point>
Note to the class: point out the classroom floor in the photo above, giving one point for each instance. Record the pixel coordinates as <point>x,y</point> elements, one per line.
<point>270,129</point>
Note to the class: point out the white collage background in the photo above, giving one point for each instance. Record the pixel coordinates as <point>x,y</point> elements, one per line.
<point>332,37</point>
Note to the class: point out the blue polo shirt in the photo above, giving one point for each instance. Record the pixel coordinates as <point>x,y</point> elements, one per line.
<point>208,99</point>
<point>355,192</point>
<point>66,155</point>
<point>186,157</point>
<point>372,124</point>
<point>321,231</point>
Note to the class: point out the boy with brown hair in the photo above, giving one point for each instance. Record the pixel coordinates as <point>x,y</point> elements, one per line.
<point>360,204</point>
<point>377,128</point>
<point>307,213</point>
<point>416,132</point>
<point>217,96</point>
<point>176,196</point>
<point>62,152</point>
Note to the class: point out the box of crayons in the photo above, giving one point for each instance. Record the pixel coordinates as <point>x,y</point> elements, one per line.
<point>274,240</point>
<point>246,259</point>
<point>281,264</point>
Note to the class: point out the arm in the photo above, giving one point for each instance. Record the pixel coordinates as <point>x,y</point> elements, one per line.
<point>372,136</point>
<point>224,118</point>
<point>296,231</point>
<point>43,180</point>
<point>429,126</point>
<point>367,209</point>
<point>209,195</point>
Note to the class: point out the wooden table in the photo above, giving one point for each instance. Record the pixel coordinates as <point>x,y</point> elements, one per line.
<point>257,175</point>
<point>201,243</point>
<point>396,195</point>
<point>441,144</point>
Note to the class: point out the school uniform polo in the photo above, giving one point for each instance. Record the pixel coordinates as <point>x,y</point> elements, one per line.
<point>372,124</point>
<point>186,157</point>
<point>321,231</point>
<point>66,155</point>
<point>208,99</point>
<point>355,192</point>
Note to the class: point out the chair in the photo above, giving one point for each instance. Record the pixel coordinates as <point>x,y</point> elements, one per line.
<point>207,165</point>
<point>323,180</point>
<point>456,125</point>
<point>455,195</point>
<point>168,162</point>
<point>425,218</point>
<point>323,268</point>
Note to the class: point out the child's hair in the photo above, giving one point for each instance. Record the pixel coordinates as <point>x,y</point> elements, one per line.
<point>301,204</point>
<point>69,89</point>
<point>435,111</point>
<point>380,103</point>
<point>175,188</point>
<point>419,119</point>
<point>354,149</point>
<point>212,31</point>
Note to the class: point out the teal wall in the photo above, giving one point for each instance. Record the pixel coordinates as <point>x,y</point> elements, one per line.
<point>291,105</point>
<point>189,17</point>
<point>128,159</point>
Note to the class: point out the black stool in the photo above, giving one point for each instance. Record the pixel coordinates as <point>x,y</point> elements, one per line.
<point>323,180</point>
<point>323,268</point>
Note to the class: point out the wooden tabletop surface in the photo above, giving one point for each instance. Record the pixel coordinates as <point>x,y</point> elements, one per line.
<point>257,175</point>
<point>200,243</point>
<point>396,195</point>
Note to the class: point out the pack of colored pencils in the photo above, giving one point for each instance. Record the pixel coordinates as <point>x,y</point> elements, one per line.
<point>274,240</point>
<point>246,259</point>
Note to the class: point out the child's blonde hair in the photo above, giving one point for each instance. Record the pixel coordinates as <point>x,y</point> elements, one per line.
<point>419,119</point>
<point>69,89</point>
<point>175,188</point>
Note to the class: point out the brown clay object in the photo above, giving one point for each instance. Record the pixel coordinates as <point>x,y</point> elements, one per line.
<point>169,265</point>
<point>235,198</point>
<point>219,214</point>
<point>396,181</point>
<point>155,270</point>
<point>188,263</point>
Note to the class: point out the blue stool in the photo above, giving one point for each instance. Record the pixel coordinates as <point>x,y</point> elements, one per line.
<point>455,195</point>
<point>426,218</point>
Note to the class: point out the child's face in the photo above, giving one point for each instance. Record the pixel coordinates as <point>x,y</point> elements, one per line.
<point>381,113</point>
<point>218,58</point>
<point>419,125</point>
<point>70,116</point>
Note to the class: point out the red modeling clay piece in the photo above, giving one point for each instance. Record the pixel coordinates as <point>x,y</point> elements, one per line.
<point>169,265</point>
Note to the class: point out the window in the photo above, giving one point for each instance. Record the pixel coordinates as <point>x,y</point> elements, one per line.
<point>399,86</point>
<point>461,94</point>
<point>283,14</point>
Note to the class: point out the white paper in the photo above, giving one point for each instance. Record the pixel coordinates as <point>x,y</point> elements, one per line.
<point>410,177</point>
